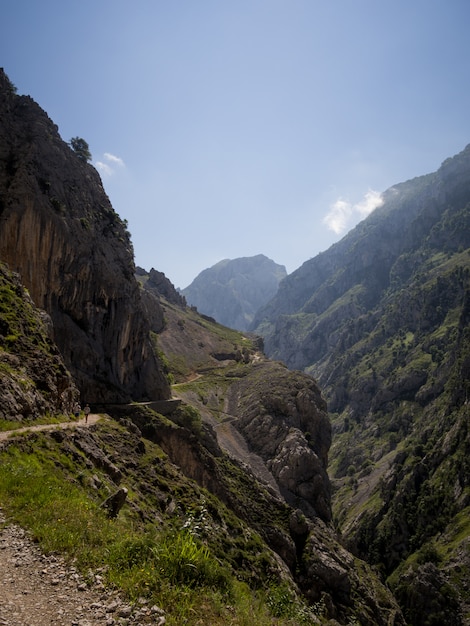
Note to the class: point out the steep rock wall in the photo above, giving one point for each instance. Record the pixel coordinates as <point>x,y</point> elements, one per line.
<point>33,377</point>
<point>73,253</point>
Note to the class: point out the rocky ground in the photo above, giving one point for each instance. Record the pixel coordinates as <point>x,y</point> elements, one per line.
<point>43,590</point>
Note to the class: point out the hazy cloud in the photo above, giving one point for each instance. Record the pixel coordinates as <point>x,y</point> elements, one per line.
<point>113,159</point>
<point>109,164</point>
<point>103,168</point>
<point>372,200</point>
<point>343,214</point>
<point>337,217</point>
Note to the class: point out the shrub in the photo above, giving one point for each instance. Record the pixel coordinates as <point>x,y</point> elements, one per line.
<point>81,148</point>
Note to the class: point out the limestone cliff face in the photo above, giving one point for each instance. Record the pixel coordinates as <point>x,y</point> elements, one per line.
<point>73,253</point>
<point>33,377</point>
<point>157,283</point>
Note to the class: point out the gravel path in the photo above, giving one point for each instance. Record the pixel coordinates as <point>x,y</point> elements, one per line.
<point>41,590</point>
<point>44,590</point>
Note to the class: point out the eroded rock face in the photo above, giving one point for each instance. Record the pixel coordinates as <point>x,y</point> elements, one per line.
<point>160,285</point>
<point>73,253</point>
<point>33,376</point>
<point>283,418</point>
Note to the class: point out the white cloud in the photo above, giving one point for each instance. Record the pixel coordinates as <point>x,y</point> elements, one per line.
<point>108,168</point>
<point>343,214</point>
<point>338,216</point>
<point>113,159</point>
<point>372,200</point>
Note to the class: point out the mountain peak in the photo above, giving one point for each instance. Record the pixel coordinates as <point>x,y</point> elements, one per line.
<point>232,290</point>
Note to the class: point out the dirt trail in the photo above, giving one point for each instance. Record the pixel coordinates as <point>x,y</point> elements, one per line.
<point>44,590</point>
<point>92,419</point>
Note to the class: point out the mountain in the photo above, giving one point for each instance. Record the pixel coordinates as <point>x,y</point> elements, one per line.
<point>231,291</point>
<point>381,320</point>
<point>221,454</point>
<point>73,253</point>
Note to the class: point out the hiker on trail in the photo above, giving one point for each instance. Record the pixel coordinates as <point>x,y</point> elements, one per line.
<point>76,410</point>
<point>86,410</point>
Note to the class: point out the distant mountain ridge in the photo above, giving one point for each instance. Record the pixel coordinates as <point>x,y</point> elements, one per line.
<point>382,321</point>
<point>232,290</point>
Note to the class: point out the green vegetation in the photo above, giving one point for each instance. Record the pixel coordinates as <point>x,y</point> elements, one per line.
<point>30,365</point>
<point>390,346</point>
<point>186,563</point>
<point>11,86</point>
<point>188,417</point>
<point>81,148</point>
<point>163,359</point>
<point>193,345</point>
<point>59,514</point>
<point>17,317</point>
<point>58,205</point>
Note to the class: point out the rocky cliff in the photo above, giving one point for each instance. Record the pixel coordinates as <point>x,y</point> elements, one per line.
<point>283,419</point>
<point>74,255</point>
<point>233,290</point>
<point>33,378</point>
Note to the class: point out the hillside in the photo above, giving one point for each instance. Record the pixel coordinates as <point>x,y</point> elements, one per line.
<point>234,289</point>
<point>381,320</point>
<point>206,474</point>
<point>204,490</point>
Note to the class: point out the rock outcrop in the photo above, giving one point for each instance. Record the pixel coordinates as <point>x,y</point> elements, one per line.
<point>74,255</point>
<point>157,283</point>
<point>283,418</point>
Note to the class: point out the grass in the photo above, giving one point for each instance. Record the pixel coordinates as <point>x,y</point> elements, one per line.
<point>58,513</point>
<point>167,564</point>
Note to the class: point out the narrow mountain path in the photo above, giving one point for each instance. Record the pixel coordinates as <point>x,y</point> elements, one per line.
<point>92,419</point>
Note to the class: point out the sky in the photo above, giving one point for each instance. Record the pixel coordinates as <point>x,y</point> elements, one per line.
<point>230,128</point>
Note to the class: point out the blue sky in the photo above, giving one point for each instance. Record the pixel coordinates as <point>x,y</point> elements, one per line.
<point>231,128</point>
